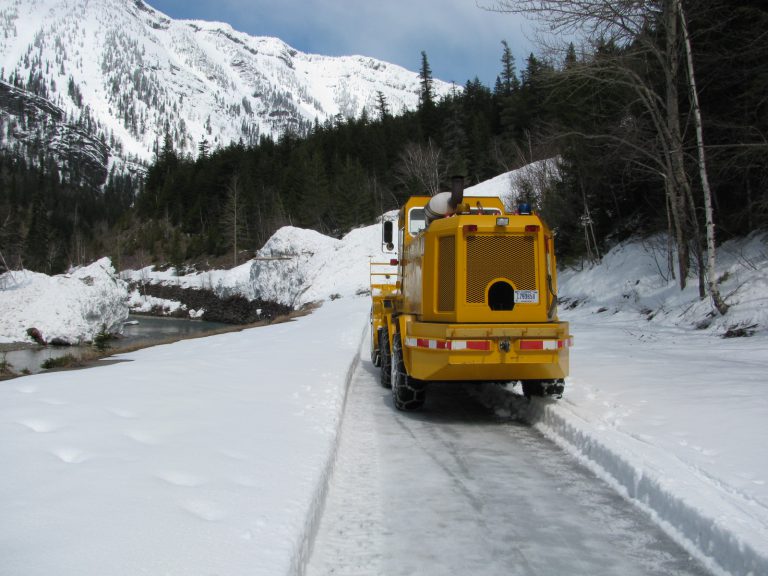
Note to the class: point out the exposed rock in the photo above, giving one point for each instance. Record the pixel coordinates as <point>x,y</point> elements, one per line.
<point>36,335</point>
<point>230,310</point>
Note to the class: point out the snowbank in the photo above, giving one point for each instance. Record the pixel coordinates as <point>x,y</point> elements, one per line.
<point>632,281</point>
<point>71,308</point>
<point>294,267</point>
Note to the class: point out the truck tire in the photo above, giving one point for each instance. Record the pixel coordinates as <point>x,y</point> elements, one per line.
<point>375,349</point>
<point>407,392</point>
<point>385,359</point>
<point>543,388</point>
<point>532,388</point>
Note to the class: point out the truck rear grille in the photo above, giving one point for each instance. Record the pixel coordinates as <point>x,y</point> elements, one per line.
<point>491,257</point>
<point>446,280</point>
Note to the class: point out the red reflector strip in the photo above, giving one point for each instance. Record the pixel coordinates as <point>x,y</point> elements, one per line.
<point>430,344</point>
<point>544,344</point>
<point>532,228</point>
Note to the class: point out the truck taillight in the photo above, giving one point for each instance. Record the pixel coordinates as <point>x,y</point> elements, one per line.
<point>532,228</point>
<point>394,262</point>
<point>470,228</point>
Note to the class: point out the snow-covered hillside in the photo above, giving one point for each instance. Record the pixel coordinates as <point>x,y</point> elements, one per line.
<point>137,74</point>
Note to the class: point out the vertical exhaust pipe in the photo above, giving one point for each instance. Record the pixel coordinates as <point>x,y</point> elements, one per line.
<point>457,191</point>
<point>445,203</point>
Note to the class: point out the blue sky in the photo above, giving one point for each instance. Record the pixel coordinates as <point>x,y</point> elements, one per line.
<point>461,40</point>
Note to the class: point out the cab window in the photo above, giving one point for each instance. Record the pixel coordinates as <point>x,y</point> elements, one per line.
<point>417,221</point>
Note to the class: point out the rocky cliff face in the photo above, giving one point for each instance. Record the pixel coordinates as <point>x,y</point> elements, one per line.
<point>33,127</point>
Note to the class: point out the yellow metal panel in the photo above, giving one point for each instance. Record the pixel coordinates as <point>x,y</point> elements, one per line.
<point>437,365</point>
<point>446,272</point>
<point>492,257</point>
<point>494,364</point>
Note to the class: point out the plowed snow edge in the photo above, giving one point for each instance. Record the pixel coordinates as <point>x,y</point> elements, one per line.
<point>306,541</point>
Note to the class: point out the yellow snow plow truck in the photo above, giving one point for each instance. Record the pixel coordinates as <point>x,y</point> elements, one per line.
<point>473,298</point>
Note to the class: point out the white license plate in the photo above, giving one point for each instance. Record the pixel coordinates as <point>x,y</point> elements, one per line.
<point>526,296</point>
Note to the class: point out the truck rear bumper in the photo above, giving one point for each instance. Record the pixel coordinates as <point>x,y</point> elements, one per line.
<point>487,351</point>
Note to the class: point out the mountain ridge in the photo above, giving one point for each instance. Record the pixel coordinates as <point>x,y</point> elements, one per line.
<point>135,75</point>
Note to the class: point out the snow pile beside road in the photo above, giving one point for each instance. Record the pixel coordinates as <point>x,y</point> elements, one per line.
<point>632,280</point>
<point>344,271</point>
<point>69,308</point>
<point>294,267</point>
<point>287,264</point>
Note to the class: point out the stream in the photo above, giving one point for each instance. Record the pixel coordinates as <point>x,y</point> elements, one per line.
<point>138,330</point>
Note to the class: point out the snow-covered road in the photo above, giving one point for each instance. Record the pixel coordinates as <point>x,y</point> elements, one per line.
<point>456,490</point>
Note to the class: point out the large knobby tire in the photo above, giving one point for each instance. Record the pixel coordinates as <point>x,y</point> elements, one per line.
<point>543,388</point>
<point>532,388</point>
<point>407,392</point>
<point>375,350</point>
<point>385,358</point>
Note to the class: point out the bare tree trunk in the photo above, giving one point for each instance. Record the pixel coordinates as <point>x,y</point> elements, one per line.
<point>589,229</point>
<point>670,243</point>
<point>7,268</point>
<point>675,186</point>
<point>714,291</point>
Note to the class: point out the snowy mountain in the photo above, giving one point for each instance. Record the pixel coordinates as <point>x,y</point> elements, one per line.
<point>131,74</point>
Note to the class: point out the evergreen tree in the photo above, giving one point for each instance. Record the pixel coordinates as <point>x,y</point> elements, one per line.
<point>570,57</point>
<point>203,148</point>
<point>509,83</point>
<point>455,137</point>
<point>37,244</point>
<point>427,107</point>
<point>507,92</point>
<point>427,94</point>
<point>381,105</point>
